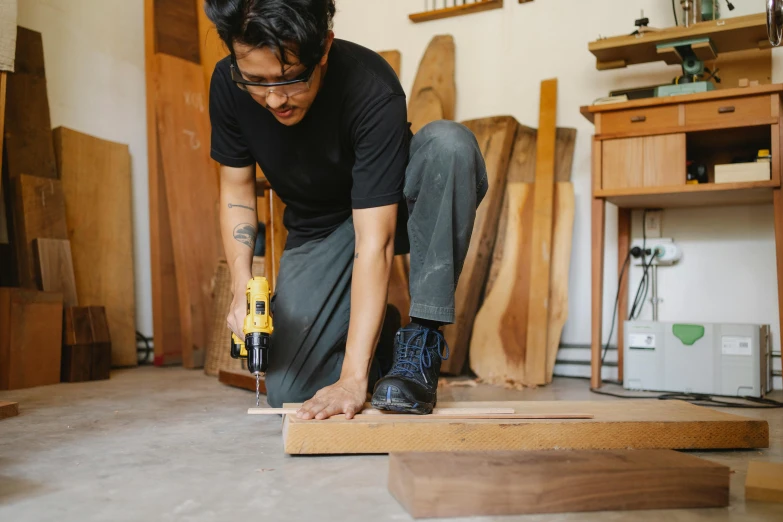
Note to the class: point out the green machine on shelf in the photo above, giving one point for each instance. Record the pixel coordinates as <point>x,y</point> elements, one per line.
<point>691,54</point>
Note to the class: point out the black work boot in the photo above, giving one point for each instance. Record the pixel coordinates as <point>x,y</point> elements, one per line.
<point>412,384</point>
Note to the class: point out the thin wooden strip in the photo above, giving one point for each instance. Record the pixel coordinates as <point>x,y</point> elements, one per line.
<point>373,411</point>
<point>379,416</point>
<point>541,246</point>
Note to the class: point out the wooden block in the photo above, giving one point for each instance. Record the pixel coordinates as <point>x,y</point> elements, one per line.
<point>96,181</point>
<point>102,344</point>
<point>743,82</point>
<point>513,483</point>
<point>764,481</point>
<point>541,242</point>
<point>76,363</point>
<point>39,212</point>
<point>77,327</point>
<point>649,424</point>
<point>183,133</point>
<point>436,73</point>
<point>8,409</point>
<point>495,138</point>
<point>28,146</point>
<point>54,268</point>
<point>30,338</point>
<point>176,29</point>
<point>240,379</point>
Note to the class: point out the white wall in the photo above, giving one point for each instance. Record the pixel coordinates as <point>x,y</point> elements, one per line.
<point>728,269</point>
<point>94,56</point>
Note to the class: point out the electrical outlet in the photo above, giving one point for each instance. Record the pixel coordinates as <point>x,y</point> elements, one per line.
<point>665,250</point>
<point>653,223</point>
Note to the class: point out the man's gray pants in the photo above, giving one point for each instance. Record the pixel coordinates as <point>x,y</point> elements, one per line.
<point>444,183</point>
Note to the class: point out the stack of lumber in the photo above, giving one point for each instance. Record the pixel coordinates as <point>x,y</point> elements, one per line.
<point>185,240</point>
<point>67,223</point>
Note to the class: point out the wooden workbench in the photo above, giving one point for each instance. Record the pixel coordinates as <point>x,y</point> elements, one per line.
<point>639,161</point>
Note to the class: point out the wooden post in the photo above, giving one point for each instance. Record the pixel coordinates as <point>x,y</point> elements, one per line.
<point>623,246</point>
<point>598,222</point>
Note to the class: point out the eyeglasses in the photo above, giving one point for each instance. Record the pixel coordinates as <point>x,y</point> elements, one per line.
<point>284,89</point>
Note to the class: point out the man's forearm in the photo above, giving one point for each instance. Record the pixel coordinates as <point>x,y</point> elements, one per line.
<point>238,223</point>
<point>369,289</point>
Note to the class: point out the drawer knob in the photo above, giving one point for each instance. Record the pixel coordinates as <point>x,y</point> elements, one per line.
<point>638,119</point>
<point>725,110</point>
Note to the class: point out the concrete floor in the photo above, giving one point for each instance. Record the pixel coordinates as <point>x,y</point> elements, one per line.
<point>170,444</point>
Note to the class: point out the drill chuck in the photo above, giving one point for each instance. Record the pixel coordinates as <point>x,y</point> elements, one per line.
<point>257,344</point>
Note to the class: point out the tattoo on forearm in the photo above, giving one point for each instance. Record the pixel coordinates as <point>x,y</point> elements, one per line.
<point>356,256</point>
<point>245,233</point>
<point>232,205</point>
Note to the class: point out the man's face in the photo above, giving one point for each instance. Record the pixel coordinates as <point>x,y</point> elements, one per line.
<point>263,65</point>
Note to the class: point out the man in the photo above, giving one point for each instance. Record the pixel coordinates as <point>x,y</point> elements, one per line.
<point>326,121</point>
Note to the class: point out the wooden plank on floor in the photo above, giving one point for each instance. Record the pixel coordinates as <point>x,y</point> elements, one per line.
<point>649,424</point>
<point>28,130</point>
<point>30,338</point>
<point>447,484</point>
<point>8,409</point>
<point>39,212</point>
<point>764,481</point>
<point>541,241</point>
<point>495,138</point>
<point>183,133</point>
<point>240,379</point>
<point>96,181</point>
<point>54,268</point>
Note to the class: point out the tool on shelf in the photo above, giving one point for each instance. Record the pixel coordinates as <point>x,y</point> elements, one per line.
<point>257,329</point>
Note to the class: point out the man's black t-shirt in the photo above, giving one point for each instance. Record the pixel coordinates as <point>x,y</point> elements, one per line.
<point>348,152</point>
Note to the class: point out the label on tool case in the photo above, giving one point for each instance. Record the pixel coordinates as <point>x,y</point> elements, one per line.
<point>736,345</point>
<point>641,341</point>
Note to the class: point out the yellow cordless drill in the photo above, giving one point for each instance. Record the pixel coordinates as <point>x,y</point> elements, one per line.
<point>257,329</point>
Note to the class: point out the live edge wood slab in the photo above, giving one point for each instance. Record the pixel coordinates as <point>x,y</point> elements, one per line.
<point>516,482</point>
<point>646,424</point>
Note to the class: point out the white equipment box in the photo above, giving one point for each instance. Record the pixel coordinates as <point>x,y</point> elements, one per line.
<point>709,358</point>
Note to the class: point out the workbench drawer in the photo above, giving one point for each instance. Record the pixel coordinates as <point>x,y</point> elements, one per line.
<point>731,112</point>
<point>644,120</point>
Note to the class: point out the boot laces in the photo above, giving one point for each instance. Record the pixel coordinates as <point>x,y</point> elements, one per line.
<point>414,356</point>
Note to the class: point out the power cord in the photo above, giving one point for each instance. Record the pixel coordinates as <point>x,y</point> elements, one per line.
<point>699,399</point>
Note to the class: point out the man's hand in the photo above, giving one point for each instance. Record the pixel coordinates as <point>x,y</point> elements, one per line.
<point>345,396</point>
<point>236,314</point>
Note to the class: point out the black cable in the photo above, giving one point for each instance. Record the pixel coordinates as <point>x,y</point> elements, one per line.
<point>147,350</point>
<point>674,10</point>
<point>699,399</point>
<point>615,311</point>
<point>638,300</point>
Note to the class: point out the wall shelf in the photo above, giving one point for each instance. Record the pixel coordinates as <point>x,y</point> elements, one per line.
<point>458,10</point>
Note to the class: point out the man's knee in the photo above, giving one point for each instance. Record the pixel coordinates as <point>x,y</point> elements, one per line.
<point>279,392</point>
<point>448,137</point>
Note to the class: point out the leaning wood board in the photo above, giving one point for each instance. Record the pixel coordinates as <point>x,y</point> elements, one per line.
<point>165,302</point>
<point>54,268</point>
<point>28,131</point>
<point>212,47</point>
<point>96,181</point>
<point>8,409</point>
<point>183,133</point>
<point>448,484</point>
<point>647,424</point>
<point>433,95</point>
<point>39,212</point>
<point>30,338</point>
<point>764,481</point>
<point>541,241</point>
<point>495,138</point>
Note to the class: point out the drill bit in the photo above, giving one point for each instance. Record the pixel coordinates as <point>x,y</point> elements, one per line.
<point>258,393</point>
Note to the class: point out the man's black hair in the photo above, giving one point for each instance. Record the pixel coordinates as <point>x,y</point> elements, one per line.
<point>297,26</point>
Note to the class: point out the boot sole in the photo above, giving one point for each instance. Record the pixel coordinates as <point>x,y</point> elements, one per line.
<point>395,400</point>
